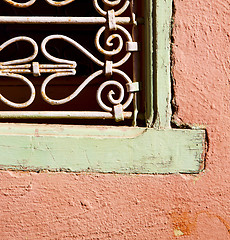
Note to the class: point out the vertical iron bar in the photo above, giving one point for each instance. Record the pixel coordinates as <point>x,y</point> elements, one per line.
<point>136,60</point>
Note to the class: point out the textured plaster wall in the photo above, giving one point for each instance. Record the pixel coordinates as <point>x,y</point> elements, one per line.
<point>94,206</point>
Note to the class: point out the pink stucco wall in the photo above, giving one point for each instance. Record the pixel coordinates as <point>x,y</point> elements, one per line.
<point>95,206</point>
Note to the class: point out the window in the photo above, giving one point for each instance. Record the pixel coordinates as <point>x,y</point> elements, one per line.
<point>153,147</point>
<point>85,67</point>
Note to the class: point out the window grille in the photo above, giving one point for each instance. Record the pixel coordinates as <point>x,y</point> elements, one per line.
<point>102,71</point>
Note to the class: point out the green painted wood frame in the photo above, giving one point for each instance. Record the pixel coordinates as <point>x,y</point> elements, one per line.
<point>155,149</point>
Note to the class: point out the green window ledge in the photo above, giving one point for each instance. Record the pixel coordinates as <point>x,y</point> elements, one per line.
<point>100,149</point>
<point>155,149</point>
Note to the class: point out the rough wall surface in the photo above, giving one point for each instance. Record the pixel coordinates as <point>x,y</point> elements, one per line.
<point>94,206</point>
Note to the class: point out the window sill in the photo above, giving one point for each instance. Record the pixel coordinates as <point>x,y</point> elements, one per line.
<point>101,149</point>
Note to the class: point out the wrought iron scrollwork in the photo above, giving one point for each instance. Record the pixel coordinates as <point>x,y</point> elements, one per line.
<point>31,2</point>
<point>64,68</point>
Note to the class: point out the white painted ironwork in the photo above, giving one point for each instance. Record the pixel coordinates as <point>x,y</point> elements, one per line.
<point>61,114</point>
<point>112,22</point>
<point>65,20</point>
<point>31,2</point>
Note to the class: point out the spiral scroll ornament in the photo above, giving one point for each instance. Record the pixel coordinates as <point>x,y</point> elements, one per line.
<point>111,93</point>
<point>110,44</point>
<point>111,4</point>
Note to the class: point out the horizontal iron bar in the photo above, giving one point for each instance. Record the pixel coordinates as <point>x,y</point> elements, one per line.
<point>60,114</point>
<point>63,20</point>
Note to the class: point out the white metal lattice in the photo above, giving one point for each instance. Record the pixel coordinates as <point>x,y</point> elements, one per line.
<point>110,20</point>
